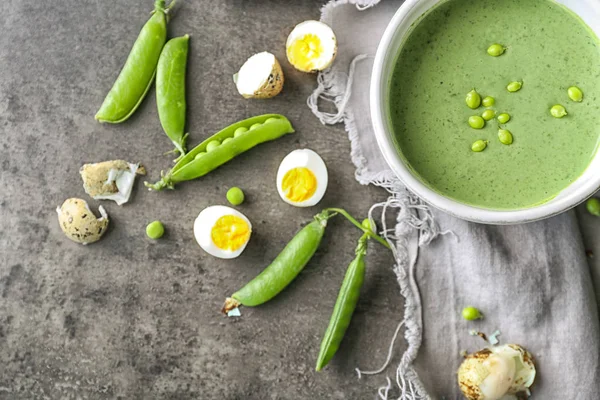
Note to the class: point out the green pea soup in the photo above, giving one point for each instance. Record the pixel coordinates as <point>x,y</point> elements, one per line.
<point>444,57</point>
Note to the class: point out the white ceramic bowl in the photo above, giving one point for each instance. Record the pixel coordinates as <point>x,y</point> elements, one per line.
<point>387,52</point>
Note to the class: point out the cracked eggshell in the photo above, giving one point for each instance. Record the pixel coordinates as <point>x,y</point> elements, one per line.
<point>496,372</point>
<point>79,223</point>
<point>261,77</point>
<point>110,180</point>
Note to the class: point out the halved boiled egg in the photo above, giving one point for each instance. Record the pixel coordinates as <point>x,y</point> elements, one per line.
<point>222,231</point>
<point>311,46</point>
<point>302,178</point>
<point>260,77</point>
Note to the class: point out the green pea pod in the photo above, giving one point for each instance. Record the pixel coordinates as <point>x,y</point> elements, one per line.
<point>170,90</point>
<point>202,159</point>
<point>284,269</point>
<point>137,74</point>
<point>344,305</point>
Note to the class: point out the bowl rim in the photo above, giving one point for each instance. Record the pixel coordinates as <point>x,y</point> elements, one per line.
<point>428,195</point>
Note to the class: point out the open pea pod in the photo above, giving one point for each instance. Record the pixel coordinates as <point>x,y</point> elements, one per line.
<point>225,145</point>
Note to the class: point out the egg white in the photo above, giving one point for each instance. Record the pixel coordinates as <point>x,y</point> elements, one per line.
<point>312,161</point>
<point>204,224</point>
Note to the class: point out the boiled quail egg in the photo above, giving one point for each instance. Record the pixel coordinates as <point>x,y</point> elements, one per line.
<point>110,180</point>
<point>260,77</point>
<point>302,178</point>
<point>496,372</point>
<point>222,231</point>
<point>79,223</point>
<point>311,46</point>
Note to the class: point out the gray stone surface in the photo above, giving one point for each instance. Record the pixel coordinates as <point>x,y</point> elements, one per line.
<point>134,319</point>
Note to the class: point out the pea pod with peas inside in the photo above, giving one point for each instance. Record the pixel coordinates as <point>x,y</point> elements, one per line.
<point>345,303</point>
<point>170,90</point>
<point>224,146</point>
<point>139,70</point>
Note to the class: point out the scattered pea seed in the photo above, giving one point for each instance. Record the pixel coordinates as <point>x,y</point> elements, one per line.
<point>255,126</point>
<point>235,196</point>
<point>199,155</point>
<point>226,140</point>
<point>155,230</point>
<point>558,111</point>
<point>471,313</point>
<point>367,224</point>
<point>213,144</point>
<point>575,94</point>
<point>593,206</point>
<point>514,86</point>
<point>488,115</point>
<point>496,50</point>
<point>239,131</point>
<point>479,146</point>
<point>476,122</point>
<point>271,120</point>
<point>503,118</point>
<point>488,101</point>
<point>473,99</point>
<point>505,136</point>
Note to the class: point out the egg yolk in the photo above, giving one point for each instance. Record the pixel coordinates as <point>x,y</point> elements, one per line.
<point>230,232</point>
<point>299,184</point>
<point>304,51</point>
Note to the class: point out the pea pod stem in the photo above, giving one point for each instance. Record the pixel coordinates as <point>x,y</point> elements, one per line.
<point>350,218</point>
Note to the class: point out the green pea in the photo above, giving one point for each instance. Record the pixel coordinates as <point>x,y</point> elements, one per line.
<point>255,126</point>
<point>471,313</point>
<point>514,86</point>
<point>593,206</point>
<point>505,136</point>
<point>235,196</point>
<point>575,94</point>
<point>476,122</point>
<point>366,224</point>
<point>488,101</point>
<point>271,120</point>
<point>170,90</point>
<point>558,111</point>
<point>503,118</point>
<point>488,115</point>
<point>239,131</point>
<point>213,144</point>
<point>479,146</point>
<point>137,74</point>
<point>199,155</point>
<point>496,50</point>
<point>473,99</point>
<point>155,230</point>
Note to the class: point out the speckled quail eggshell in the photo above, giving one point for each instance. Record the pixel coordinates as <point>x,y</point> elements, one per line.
<point>261,77</point>
<point>79,223</point>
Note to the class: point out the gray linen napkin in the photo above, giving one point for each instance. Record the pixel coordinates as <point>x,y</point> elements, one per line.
<point>532,280</point>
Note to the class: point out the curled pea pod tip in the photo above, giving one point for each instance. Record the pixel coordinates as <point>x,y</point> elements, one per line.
<point>137,75</point>
<point>284,269</point>
<point>222,147</point>
<point>345,305</point>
